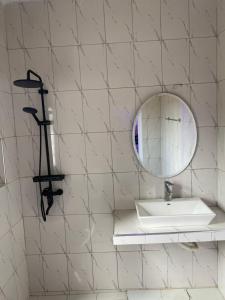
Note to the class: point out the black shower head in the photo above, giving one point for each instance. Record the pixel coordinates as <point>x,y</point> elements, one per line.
<point>29,83</point>
<point>30,110</point>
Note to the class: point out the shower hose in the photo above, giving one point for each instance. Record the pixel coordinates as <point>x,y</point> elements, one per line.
<point>40,186</point>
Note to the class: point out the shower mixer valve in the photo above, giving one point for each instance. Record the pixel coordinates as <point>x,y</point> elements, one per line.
<point>48,192</point>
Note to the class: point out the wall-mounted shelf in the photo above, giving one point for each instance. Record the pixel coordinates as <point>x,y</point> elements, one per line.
<point>128,231</point>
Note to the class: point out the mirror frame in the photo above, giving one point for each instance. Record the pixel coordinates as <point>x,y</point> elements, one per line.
<point>195,127</point>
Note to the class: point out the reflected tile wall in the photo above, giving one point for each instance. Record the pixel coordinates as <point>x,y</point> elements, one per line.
<point>101,59</point>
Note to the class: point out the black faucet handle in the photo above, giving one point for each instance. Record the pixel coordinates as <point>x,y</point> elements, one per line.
<point>47,192</point>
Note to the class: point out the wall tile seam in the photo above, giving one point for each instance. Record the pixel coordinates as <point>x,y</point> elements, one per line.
<point>85,133</point>
<point>53,92</point>
<point>37,191</point>
<point>11,228</point>
<point>14,273</point>
<point>220,81</point>
<point>129,87</point>
<point>217,43</point>
<point>24,49</point>
<point>5,92</point>
<point>10,78</point>
<point>74,292</point>
<point>50,36</point>
<point>127,172</point>
<point>165,86</point>
<point>85,150</point>
<point>8,137</point>
<point>220,32</point>
<point>207,247</point>
<point>217,111</point>
<point>114,43</point>
<point>97,252</point>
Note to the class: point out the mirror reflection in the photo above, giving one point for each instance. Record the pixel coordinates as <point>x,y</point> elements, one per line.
<point>164,135</point>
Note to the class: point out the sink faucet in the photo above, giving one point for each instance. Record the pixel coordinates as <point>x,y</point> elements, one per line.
<point>168,190</point>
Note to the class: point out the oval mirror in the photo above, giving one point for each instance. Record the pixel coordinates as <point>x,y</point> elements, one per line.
<point>164,135</point>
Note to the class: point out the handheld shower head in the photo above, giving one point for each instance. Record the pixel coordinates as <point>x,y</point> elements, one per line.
<point>30,110</point>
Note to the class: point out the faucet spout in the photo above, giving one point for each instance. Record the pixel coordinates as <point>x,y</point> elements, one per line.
<point>168,190</point>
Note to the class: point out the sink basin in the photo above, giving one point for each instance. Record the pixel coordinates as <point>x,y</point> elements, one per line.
<point>179,212</point>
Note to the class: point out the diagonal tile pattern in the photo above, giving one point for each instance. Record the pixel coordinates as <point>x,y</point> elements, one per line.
<point>100,59</point>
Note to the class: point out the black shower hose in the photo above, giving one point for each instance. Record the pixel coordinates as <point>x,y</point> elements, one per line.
<point>40,187</point>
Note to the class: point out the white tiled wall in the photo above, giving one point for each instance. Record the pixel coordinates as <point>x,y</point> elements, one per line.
<point>100,59</point>
<point>13,267</point>
<point>221,133</point>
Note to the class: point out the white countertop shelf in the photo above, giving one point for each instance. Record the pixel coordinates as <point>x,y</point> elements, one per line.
<point>129,231</point>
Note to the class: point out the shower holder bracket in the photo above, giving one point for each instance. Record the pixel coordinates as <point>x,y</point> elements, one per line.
<point>42,91</point>
<point>47,123</point>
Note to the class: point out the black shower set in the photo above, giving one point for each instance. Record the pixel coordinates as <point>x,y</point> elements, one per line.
<point>48,191</point>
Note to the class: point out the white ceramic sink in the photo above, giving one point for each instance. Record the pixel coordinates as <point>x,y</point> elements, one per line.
<point>179,212</point>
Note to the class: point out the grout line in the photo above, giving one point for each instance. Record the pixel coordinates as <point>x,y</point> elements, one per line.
<point>94,132</point>
<point>37,190</point>
<point>111,137</point>
<point>135,95</point>
<point>77,253</point>
<point>85,145</point>
<point>218,126</point>
<point>220,32</point>
<point>119,42</point>
<point>161,44</point>
<point>110,125</point>
<point>6,92</point>
<point>121,87</point>
<point>121,172</point>
<point>189,75</point>
<point>189,296</point>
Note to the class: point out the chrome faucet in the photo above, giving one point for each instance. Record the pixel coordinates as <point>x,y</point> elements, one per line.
<point>168,190</point>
